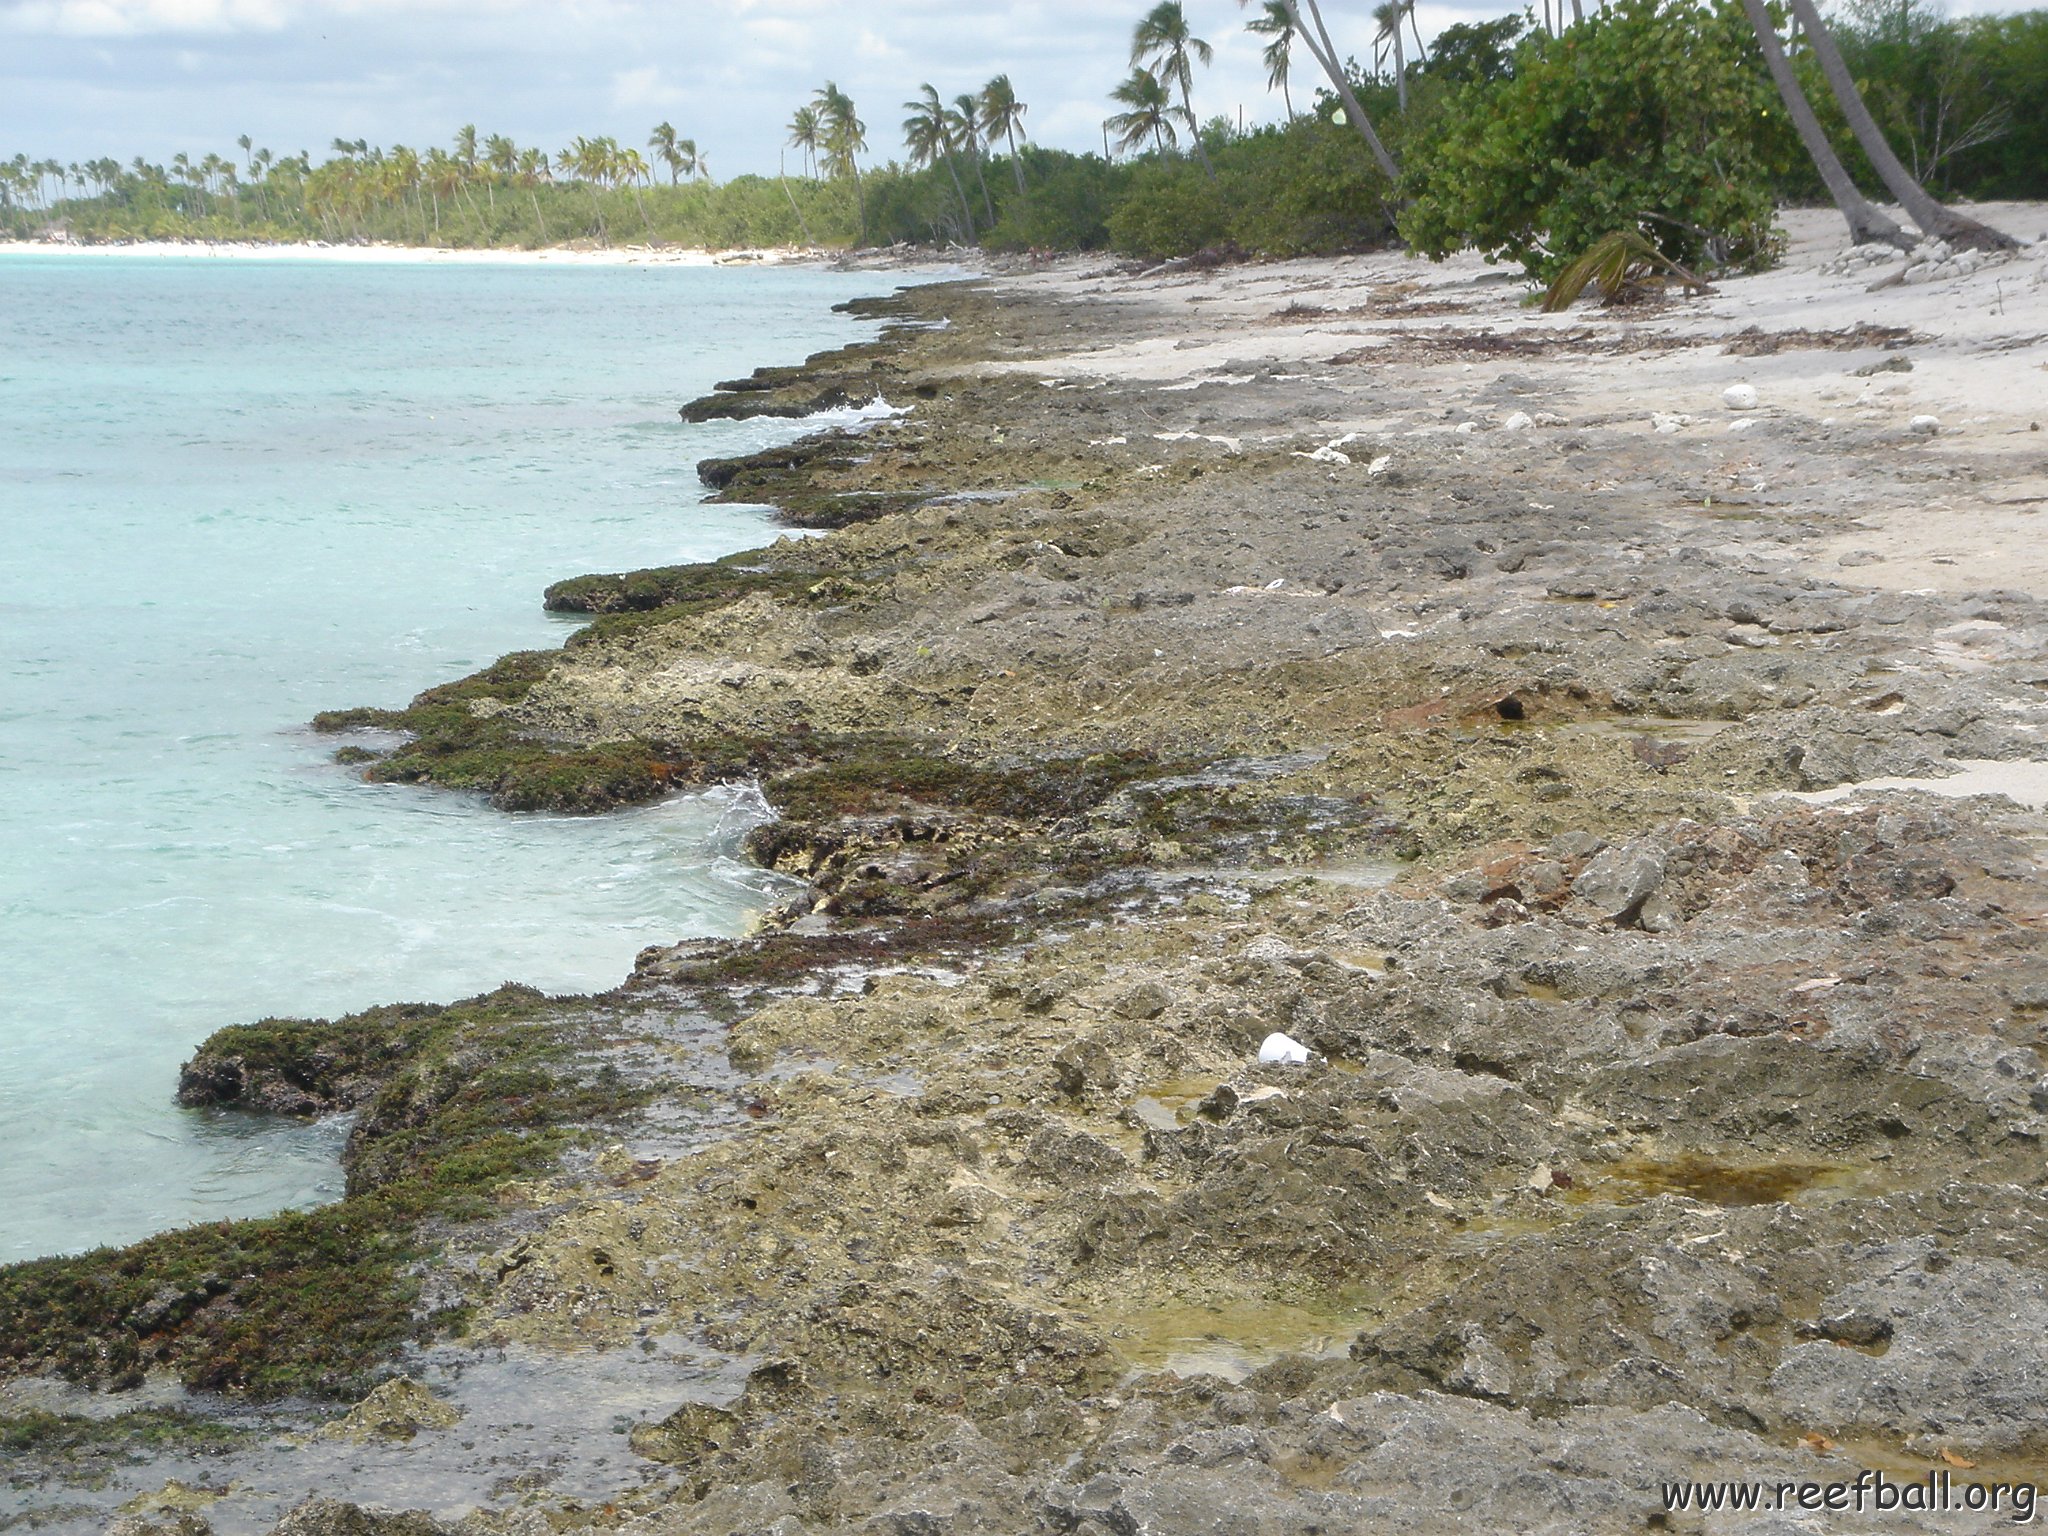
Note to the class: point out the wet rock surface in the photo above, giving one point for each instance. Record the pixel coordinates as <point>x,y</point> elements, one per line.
<point>1658,1126</point>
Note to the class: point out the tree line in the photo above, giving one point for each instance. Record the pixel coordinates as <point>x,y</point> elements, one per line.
<point>1526,136</point>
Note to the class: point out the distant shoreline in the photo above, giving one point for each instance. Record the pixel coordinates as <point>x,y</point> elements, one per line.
<point>244,250</point>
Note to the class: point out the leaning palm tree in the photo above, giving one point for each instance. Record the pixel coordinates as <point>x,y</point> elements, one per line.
<point>1866,224</point>
<point>1148,113</point>
<point>1315,36</point>
<point>1002,117</point>
<point>929,133</point>
<point>845,137</point>
<point>1165,43</point>
<point>1274,23</point>
<point>807,134</point>
<point>965,122</point>
<point>1941,222</point>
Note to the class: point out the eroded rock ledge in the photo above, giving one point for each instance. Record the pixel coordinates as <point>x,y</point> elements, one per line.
<point>1658,1127</point>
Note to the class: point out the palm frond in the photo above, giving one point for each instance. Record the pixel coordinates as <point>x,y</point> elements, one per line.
<point>1615,262</point>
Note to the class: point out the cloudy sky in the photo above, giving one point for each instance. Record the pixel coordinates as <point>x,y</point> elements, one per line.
<point>83,78</point>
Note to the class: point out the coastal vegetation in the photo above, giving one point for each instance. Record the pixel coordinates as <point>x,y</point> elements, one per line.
<point>1525,137</point>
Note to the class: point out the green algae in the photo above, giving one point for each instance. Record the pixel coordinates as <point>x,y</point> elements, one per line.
<point>682,589</point>
<point>465,1098</point>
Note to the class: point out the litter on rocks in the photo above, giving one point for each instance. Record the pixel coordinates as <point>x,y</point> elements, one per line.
<point>1282,1050</point>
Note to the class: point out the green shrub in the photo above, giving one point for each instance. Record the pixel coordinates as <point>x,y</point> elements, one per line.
<point>1173,208</point>
<point>1650,116</point>
<point>1309,188</point>
<point>1065,206</point>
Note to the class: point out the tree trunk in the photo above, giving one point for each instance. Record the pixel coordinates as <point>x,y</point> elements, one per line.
<point>1866,224</point>
<point>1187,108</point>
<point>1016,160</point>
<point>1325,55</point>
<point>1934,219</point>
<point>987,203</point>
<point>1400,70</point>
<point>960,187</point>
<point>802,223</point>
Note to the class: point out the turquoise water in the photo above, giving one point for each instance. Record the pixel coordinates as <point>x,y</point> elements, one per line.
<point>233,493</point>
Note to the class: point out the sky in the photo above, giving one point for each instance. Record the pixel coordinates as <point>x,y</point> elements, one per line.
<point>85,78</point>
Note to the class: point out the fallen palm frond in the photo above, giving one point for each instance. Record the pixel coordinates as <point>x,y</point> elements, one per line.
<point>1622,264</point>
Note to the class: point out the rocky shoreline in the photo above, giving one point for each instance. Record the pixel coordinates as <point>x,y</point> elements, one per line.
<point>1330,649</point>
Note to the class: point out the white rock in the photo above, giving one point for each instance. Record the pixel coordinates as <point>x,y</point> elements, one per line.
<point>1467,428</point>
<point>1520,421</point>
<point>1926,426</point>
<point>1739,397</point>
<point>1669,421</point>
<point>1743,425</point>
<point>1283,1050</point>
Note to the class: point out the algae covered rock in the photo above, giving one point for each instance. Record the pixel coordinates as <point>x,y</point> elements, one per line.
<point>160,1523</point>
<point>694,1432</point>
<point>332,1517</point>
<point>397,1410</point>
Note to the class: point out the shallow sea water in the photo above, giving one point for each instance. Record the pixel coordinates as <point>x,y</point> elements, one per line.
<point>233,493</point>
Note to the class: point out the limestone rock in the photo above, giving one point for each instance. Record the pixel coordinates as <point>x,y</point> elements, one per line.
<point>397,1410</point>
<point>694,1432</point>
<point>1619,881</point>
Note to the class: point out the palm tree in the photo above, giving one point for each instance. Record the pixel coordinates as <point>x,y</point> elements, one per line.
<point>501,158</point>
<point>1163,41</point>
<point>1323,50</point>
<point>532,169</point>
<point>1274,22</point>
<point>929,133</point>
<point>670,153</point>
<point>965,122</point>
<point>627,166</point>
<point>807,134</point>
<point>442,174</point>
<point>1866,224</point>
<point>1934,219</point>
<point>1148,112</point>
<point>1389,14</point>
<point>1002,116</point>
<point>845,138</point>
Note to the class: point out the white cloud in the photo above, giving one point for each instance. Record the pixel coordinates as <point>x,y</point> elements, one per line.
<point>130,18</point>
<point>634,88</point>
<point>81,78</point>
